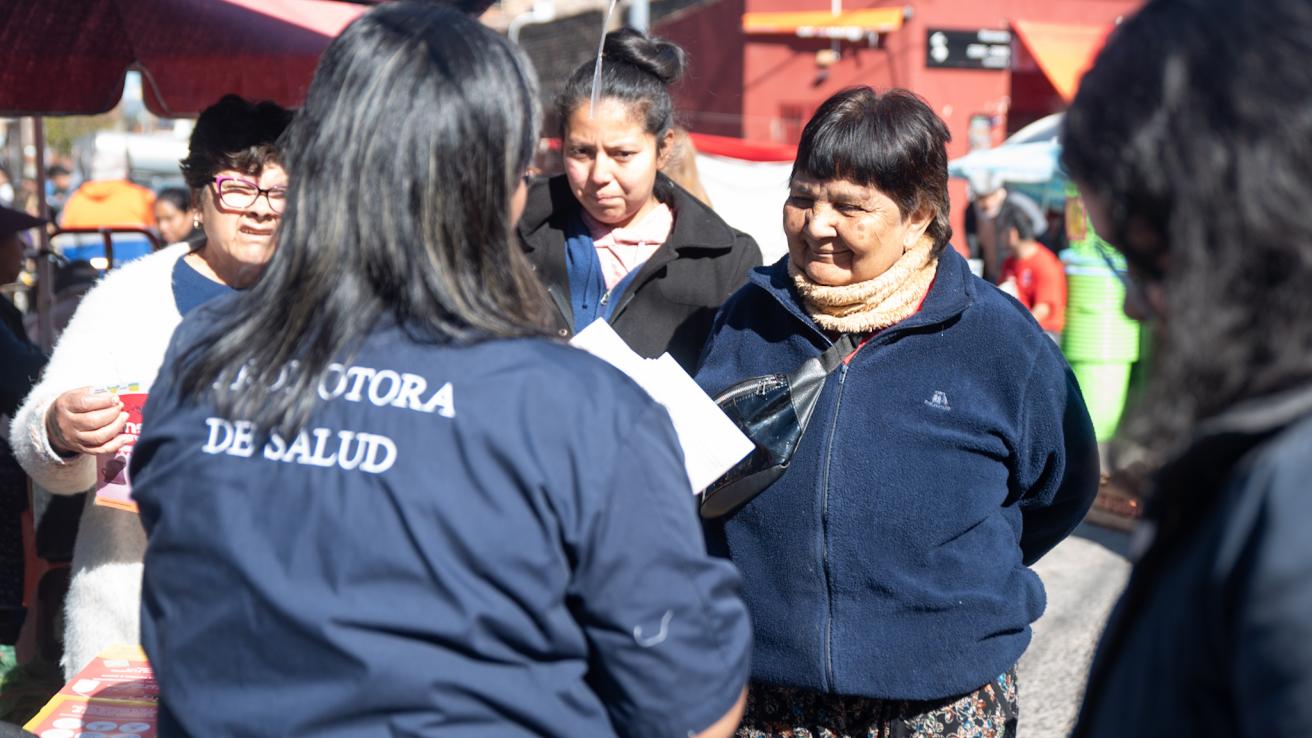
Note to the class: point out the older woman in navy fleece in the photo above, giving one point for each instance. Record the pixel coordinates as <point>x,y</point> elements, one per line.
<point>887,570</point>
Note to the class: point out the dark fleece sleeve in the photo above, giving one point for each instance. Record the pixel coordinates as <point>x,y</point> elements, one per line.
<point>1058,460</point>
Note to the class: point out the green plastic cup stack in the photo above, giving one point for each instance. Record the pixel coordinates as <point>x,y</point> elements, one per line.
<point>1099,341</point>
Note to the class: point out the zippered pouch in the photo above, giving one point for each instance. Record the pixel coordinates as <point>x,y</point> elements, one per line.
<point>772,410</point>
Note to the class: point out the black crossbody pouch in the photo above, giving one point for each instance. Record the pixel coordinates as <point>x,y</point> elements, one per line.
<point>773,411</point>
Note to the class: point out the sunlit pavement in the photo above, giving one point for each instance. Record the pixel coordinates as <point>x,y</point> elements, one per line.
<point>1084,576</point>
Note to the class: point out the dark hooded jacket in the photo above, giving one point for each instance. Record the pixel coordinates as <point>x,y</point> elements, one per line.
<point>671,302</point>
<point>1213,635</point>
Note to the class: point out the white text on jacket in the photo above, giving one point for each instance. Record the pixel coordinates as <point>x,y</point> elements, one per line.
<point>328,447</point>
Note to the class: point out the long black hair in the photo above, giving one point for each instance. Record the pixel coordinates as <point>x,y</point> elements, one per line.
<point>1194,126</point>
<point>414,136</point>
<point>893,142</point>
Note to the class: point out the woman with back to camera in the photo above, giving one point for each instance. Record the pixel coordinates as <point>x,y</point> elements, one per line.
<point>1190,141</point>
<point>887,570</point>
<point>614,239</point>
<point>425,515</point>
<point>118,336</point>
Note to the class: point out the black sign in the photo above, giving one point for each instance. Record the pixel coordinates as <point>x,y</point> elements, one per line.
<point>982,49</point>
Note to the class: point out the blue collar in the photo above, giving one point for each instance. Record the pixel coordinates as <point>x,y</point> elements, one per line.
<point>589,298</point>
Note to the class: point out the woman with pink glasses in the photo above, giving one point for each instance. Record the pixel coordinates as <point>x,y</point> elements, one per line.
<point>117,339</point>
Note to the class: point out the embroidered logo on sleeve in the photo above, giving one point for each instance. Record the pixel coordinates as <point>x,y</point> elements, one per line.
<point>939,401</point>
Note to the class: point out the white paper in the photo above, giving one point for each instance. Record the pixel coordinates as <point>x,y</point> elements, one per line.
<point>711,443</point>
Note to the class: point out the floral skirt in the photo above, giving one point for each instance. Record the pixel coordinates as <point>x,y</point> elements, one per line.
<point>785,712</point>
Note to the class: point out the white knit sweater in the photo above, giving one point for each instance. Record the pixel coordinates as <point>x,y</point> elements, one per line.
<point>117,336</point>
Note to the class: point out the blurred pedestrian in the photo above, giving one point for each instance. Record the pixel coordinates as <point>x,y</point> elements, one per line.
<point>23,360</point>
<point>988,194</point>
<point>7,190</point>
<point>178,221</point>
<point>887,570</point>
<point>613,238</point>
<point>59,185</point>
<point>1189,143</point>
<point>491,533</point>
<point>18,372</point>
<point>118,336</point>
<point>108,198</point>
<point>1031,273</point>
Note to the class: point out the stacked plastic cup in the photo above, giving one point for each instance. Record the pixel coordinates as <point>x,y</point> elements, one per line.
<point>1100,342</point>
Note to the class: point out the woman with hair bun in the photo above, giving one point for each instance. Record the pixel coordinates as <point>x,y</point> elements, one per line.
<point>614,239</point>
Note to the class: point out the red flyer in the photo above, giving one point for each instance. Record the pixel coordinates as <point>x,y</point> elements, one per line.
<point>115,696</point>
<point>75,717</point>
<point>117,673</point>
<point>113,487</point>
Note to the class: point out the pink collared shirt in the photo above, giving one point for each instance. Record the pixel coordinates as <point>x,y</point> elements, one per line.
<point>623,250</point>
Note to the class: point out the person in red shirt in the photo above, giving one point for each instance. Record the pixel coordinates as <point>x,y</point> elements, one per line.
<point>1031,271</point>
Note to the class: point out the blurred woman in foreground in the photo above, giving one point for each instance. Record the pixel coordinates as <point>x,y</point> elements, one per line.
<point>379,498</point>
<point>1191,143</point>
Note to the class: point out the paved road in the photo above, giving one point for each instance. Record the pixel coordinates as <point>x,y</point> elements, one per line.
<point>1084,576</point>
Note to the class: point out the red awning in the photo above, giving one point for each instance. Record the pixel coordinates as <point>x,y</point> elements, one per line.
<point>1064,51</point>
<point>70,56</point>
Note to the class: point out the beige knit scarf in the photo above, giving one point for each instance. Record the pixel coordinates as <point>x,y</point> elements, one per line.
<point>876,303</point>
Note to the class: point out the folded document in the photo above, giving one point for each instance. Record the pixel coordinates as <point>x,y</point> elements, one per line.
<point>711,443</point>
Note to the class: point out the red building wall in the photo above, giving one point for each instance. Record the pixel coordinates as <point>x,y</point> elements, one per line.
<point>781,84</point>
<point>710,98</point>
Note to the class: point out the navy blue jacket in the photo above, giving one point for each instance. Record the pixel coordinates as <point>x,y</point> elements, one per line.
<point>1213,635</point>
<point>954,449</point>
<point>486,540</point>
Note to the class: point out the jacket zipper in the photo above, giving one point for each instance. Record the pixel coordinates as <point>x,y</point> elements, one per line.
<point>824,527</point>
<point>756,387</point>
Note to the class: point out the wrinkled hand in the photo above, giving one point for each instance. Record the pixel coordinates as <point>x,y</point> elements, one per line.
<point>82,422</point>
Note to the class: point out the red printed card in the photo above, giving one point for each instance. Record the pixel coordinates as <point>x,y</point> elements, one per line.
<point>113,486</point>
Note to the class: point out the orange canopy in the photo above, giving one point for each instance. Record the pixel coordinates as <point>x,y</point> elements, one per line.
<point>1064,51</point>
<point>822,23</point>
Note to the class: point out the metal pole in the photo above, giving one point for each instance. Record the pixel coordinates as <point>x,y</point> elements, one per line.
<point>45,268</point>
<point>640,15</point>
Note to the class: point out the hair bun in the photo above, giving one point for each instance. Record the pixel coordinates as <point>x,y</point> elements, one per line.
<point>659,58</point>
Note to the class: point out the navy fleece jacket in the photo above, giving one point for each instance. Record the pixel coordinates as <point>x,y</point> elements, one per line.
<point>950,452</point>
